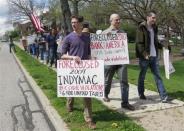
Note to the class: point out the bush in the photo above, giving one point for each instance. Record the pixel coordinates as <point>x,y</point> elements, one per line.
<point>130,29</point>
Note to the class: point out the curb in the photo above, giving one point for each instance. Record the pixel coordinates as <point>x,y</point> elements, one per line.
<point>54,117</point>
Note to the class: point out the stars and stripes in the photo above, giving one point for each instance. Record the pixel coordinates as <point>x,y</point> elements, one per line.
<point>36,22</point>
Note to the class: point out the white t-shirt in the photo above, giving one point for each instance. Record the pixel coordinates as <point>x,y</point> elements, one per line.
<point>152,44</point>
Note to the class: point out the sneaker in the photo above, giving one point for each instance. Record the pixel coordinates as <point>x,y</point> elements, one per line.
<point>106,99</point>
<point>127,106</point>
<point>91,125</point>
<point>143,97</point>
<point>166,99</point>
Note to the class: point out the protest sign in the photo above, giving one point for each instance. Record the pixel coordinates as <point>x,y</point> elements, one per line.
<point>167,63</point>
<point>112,48</point>
<point>85,79</point>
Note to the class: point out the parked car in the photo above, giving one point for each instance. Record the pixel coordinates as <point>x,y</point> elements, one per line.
<point>4,40</point>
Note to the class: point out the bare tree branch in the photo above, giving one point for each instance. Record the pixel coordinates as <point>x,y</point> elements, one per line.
<point>24,7</point>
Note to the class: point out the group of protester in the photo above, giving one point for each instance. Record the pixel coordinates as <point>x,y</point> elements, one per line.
<point>43,45</point>
<point>76,46</point>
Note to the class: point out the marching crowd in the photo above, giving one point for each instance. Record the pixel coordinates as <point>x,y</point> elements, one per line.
<point>76,46</point>
<point>44,45</point>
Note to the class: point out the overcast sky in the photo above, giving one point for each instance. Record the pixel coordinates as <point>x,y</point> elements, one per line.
<point>3,17</point>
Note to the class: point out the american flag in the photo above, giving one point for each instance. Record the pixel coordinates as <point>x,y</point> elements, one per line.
<point>36,22</point>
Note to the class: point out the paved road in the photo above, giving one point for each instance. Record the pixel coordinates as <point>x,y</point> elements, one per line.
<point>20,110</point>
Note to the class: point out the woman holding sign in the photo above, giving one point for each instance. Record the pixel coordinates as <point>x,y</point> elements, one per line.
<point>76,46</point>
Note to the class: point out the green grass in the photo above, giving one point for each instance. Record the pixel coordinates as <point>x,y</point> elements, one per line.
<point>176,49</point>
<point>131,50</point>
<point>46,79</point>
<point>174,86</point>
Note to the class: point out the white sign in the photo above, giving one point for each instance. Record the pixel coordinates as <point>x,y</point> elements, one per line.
<point>112,48</point>
<point>85,79</point>
<point>167,63</point>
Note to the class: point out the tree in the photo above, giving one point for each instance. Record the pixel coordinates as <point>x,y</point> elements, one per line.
<point>76,4</point>
<point>98,12</point>
<point>180,17</point>
<point>54,13</point>
<point>165,16</point>
<point>22,9</point>
<point>135,10</point>
<point>66,15</point>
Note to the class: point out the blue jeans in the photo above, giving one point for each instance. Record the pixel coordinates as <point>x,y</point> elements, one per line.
<point>33,48</point>
<point>41,52</point>
<point>122,73</point>
<point>51,55</point>
<point>152,62</point>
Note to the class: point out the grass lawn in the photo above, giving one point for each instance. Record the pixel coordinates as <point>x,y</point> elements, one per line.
<point>174,86</point>
<point>107,120</point>
<point>176,49</point>
<point>131,50</point>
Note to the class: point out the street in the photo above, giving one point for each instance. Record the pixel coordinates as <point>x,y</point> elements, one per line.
<point>20,109</point>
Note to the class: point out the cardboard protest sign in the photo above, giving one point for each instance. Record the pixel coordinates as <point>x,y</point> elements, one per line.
<point>167,63</point>
<point>112,48</point>
<point>85,79</point>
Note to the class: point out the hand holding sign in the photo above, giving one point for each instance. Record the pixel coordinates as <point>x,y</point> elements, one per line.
<point>77,59</point>
<point>85,79</point>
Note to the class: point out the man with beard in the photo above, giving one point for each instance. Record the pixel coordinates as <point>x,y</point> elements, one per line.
<point>147,51</point>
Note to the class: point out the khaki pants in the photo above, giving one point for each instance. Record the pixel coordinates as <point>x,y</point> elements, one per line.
<point>87,107</point>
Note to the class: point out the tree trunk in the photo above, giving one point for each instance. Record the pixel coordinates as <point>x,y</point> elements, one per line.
<point>75,7</point>
<point>182,36</point>
<point>66,16</point>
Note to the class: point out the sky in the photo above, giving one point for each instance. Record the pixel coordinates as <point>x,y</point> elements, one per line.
<point>4,26</point>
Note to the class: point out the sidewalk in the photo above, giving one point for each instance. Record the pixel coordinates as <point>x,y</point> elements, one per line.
<point>151,104</point>
<point>151,113</point>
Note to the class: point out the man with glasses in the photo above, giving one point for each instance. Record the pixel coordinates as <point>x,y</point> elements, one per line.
<point>76,46</point>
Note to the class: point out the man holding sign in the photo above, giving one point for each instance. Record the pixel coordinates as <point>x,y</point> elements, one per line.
<point>147,51</point>
<point>120,68</point>
<point>76,46</point>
